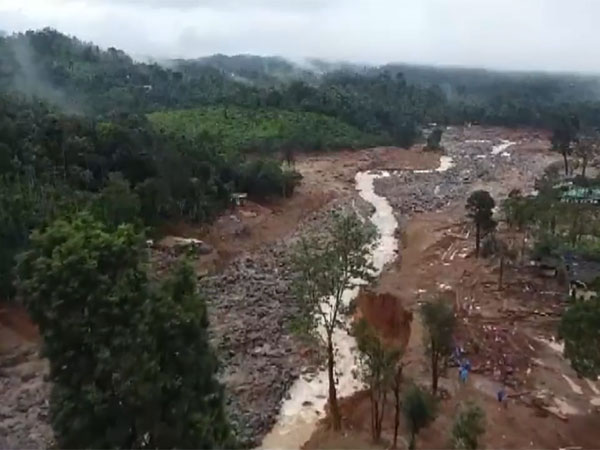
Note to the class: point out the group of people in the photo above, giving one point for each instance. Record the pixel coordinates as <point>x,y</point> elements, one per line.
<point>464,368</point>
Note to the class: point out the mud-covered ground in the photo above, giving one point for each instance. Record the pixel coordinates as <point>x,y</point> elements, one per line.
<point>250,303</point>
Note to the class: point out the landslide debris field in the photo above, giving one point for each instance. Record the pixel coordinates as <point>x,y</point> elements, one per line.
<point>244,270</point>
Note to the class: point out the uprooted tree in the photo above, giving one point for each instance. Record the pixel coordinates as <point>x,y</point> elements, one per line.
<point>326,265</point>
<point>130,364</point>
<point>378,367</point>
<point>468,427</point>
<point>419,410</point>
<point>480,207</point>
<point>438,319</point>
<point>580,332</point>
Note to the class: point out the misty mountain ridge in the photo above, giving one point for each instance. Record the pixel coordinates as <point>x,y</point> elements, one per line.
<point>80,77</point>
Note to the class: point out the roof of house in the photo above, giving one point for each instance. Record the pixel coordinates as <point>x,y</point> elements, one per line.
<point>581,195</point>
<point>584,269</point>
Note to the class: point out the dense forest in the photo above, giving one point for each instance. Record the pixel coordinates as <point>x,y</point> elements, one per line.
<point>82,127</point>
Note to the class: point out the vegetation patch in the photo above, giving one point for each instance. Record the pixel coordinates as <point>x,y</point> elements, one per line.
<point>266,129</point>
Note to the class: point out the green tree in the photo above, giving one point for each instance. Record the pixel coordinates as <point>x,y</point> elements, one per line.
<point>419,410</point>
<point>480,206</point>
<point>468,428</point>
<point>188,400</point>
<point>563,135</point>
<point>327,265</point>
<point>434,139</point>
<point>130,365</point>
<point>117,203</point>
<point>438,319</point>
<point>377,367</point>
<point>581,334</point>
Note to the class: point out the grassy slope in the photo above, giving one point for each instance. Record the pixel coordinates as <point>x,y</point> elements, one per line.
<point>264,129</point>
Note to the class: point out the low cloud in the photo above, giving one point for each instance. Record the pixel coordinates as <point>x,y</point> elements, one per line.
<point>502,34</point>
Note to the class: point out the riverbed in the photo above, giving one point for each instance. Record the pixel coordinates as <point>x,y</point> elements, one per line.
<point>306,400</point>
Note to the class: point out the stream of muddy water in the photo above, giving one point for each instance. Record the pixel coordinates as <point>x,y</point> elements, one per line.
<point>306,400</point>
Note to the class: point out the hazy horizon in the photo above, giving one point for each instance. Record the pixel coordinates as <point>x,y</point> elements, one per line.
<point>509,35</point>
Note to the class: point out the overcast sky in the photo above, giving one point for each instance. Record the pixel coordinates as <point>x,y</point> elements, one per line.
<point>504,34</point>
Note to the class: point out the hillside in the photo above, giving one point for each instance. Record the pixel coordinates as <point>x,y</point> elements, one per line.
<point>259,70</point>
<point>82,78</point>
<point>265,129</point>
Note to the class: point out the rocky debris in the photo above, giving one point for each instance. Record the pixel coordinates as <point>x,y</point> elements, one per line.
<point>184,246</point>
<point>251,310</point>
<point>24,403</point>
<point>170,249</point>
<point>420,191</point>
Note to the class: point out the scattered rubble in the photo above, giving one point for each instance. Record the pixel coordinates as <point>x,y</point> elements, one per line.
<point>251,310</point>
<point>24,394</point>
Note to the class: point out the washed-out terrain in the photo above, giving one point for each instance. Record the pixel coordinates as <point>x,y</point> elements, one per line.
<point>272,376</point>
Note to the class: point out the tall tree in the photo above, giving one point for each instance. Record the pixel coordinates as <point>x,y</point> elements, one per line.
<point>587,147</point>
<point>438,319</point>
<point>563,136</point>
<point>130,366</point>
<point>327,265</point>
<point>419,410</point>
<point>397,384</point>
<point>480,207</point>
<point>378,366</point>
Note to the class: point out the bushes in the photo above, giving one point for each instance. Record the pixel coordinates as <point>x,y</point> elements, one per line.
<point>264,177</point>
<point>468,428</point>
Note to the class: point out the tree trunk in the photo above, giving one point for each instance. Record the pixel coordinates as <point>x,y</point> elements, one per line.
<point>397,406</point>
<point>412,443</point>
<point>375,419</point>
<point>566,163</point>
<point>336,420</point>
<point>374,410</point>
<point>434,371</point>
<point>382,396</point>
<point>501,276</point>
<point>477,239</point>
<point>583,167</point>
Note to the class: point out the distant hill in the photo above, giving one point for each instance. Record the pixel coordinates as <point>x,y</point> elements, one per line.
<point>394,99</point>
<point>81,77</point>
<point>259,70</point>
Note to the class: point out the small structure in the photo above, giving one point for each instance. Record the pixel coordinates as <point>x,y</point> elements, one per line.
<point>239,198</point>
<point>578,194</point>
<point>584,275</point>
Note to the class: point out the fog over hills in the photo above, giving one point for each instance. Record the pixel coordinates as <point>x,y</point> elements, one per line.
<point>501,34</point>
